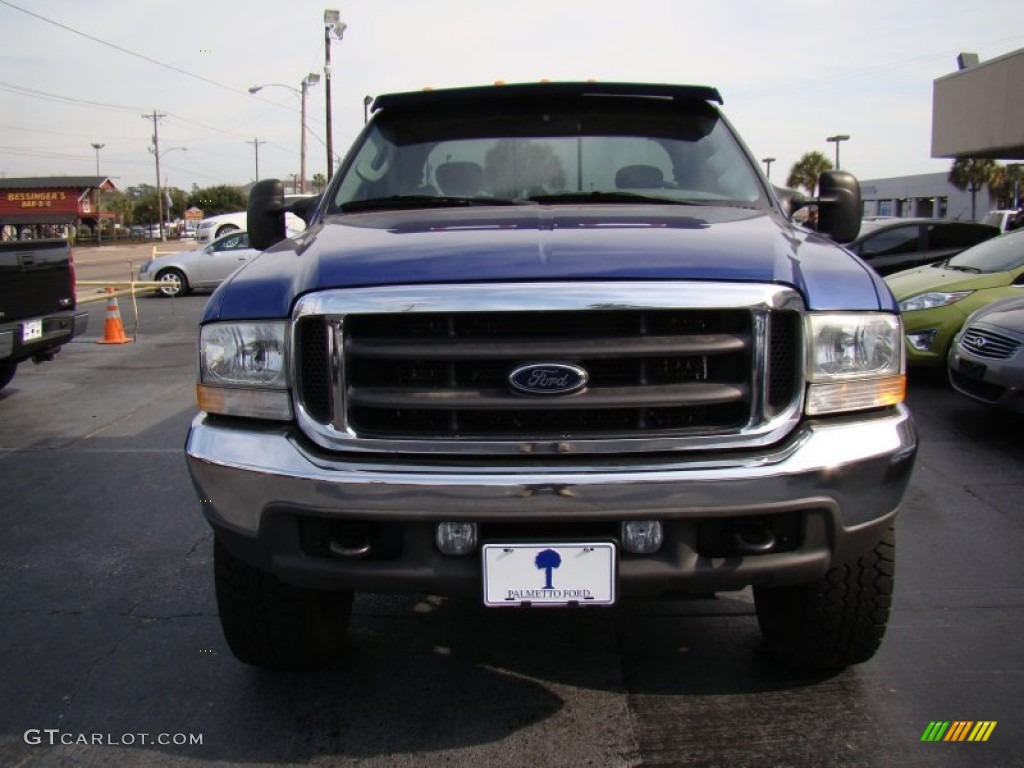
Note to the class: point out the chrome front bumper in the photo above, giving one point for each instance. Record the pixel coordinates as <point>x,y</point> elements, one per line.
<point>848,474</point>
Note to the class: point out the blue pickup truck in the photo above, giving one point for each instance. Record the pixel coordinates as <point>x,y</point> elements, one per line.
<point>554,344</point>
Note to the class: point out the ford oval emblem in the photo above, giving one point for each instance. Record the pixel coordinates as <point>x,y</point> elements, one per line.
<point>548,378</point>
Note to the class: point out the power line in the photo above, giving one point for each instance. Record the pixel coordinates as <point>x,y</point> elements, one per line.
<point>119,48</point>
<point>60,99</point>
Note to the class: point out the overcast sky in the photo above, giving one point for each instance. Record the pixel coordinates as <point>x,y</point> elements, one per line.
<point>791,71</point>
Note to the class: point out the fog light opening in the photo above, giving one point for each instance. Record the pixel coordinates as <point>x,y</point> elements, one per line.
<point>456,538</point>
<point>923,340</point>
<point>642,537</point>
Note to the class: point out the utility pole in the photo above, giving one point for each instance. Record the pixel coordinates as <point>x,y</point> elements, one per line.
<point>768,166</point>
<point>155,117</point>
<point>256,146</point>
<point>99,222</point>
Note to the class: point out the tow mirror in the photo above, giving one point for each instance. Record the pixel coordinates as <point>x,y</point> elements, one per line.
<point>839,206</point>
<point>265,214</point>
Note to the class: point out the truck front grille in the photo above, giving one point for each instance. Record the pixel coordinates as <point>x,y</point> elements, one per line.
<point>445,376</point>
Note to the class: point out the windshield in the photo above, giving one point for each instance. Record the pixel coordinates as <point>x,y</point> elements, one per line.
<point>613,151</point>
<point>1000,254</point>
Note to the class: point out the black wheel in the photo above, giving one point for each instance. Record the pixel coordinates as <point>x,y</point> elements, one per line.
<point>7,371</point>
<point>268,623</point>
<point>174,283</point>
<point>227,229</point>
<point>837,621</point>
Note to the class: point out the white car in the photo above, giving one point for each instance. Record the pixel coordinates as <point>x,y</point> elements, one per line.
<point>205,267</point>
<point>211,228</point>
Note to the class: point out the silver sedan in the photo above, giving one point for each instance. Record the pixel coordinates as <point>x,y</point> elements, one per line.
<point>986,361</point>
<point>205,267</point>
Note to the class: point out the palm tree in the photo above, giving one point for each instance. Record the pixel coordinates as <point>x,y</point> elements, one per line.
<point>972,173</point>
<point>805,171</point>
<point>319,181</point>
<point>1006,184</point>
<point>547,560</point>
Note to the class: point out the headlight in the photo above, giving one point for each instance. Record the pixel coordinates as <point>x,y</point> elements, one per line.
<point>854,361</point>
<point>243,370</point>
<point>932,300</point>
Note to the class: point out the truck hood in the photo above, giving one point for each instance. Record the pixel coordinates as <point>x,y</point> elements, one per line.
<point>549,243</point>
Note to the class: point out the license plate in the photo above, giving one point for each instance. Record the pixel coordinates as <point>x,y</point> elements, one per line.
<point>33,329</point>
<point>549,574</point>
<point>972,369</point>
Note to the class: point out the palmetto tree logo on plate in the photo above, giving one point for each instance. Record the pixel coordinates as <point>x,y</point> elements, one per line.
<point>547,560</point>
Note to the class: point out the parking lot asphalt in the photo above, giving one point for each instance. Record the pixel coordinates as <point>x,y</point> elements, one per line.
<point>109,625</point>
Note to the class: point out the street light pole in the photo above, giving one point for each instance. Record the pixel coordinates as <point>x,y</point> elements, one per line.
<point>332,23</point>
<point>768,166</point>
<point>839,137</point>
<point>99,222</point>
<point>311,79</point>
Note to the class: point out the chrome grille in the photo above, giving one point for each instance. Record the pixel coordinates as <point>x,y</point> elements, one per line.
<point>431,374</point>
<point>982,342</point>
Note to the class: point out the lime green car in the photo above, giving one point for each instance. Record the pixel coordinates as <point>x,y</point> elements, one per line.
<point>936,299</point>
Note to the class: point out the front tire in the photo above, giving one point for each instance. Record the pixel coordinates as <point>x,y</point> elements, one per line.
<point>836,621</point>
<point>268,623</point>
<point>174,283</point>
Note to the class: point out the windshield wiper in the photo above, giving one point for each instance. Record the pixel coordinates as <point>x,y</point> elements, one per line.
<point>422,201</point>
<point>961,268</point>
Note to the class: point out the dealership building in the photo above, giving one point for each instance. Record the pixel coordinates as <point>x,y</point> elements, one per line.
<point>977,111</point>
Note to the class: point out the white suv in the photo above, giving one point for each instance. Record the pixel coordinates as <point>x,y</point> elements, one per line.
<point>999,219</point>
<point>211,228</point>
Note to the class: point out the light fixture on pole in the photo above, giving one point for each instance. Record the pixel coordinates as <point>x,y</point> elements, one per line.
<point>768,166</point>
<point>367,101</point>
<point>311,79</point>
<point>837,139</point>
<point>99,222</point>
<point>332,23</point>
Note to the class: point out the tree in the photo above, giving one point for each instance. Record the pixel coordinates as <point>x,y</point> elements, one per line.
<point>547,560</point>
<point>222,198</point>
<point>119,203</point>
<point>319,181</point>
<point>972,174</point>
<point>805,171</point>
<point>145,207</point>
<point>1007,184</point>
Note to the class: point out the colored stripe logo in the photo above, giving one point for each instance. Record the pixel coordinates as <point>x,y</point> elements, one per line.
<point>958,730</point>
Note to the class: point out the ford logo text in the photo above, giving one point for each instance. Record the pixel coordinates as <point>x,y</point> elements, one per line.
<point>548,378</point>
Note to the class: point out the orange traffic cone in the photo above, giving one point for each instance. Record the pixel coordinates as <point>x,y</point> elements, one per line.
<point>113,332</point>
